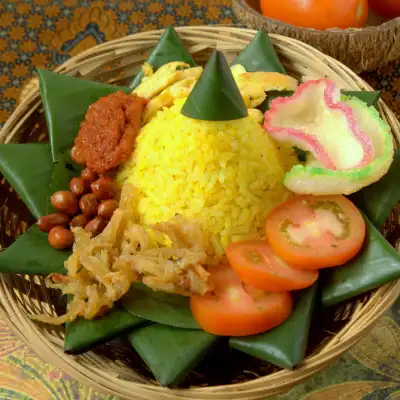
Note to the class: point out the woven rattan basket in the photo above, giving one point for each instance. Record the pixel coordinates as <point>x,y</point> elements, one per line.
<point>360,49</point>
<point>114,368</point>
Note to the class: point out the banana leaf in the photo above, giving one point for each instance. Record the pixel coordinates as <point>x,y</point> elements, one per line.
<point>66,101</point>
<point>28,167</point>
<point>284,346</point>
<point>215,97</point>
<point>377,200</point>
<point>35,180</point>
<point>377,263</point>
<point>272,95</point>
<point>171,353</point>
<point>82,334</point>
<point>31,254</point>
<point>368,97</point>
<point>164,308</point>
<point>63,171</point>
<point>260,55</point>
<point>169,48</point>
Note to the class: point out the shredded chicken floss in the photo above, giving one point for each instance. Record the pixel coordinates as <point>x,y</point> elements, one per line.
<point>169,257</point>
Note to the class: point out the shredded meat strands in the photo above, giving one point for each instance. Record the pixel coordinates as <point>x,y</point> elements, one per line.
<point>169,257</point>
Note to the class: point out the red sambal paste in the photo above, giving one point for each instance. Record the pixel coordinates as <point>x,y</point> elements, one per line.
<point>107,135</point>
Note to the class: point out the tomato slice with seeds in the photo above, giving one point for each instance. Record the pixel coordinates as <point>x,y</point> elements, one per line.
<point>258,265</point>
<point>312,232</point>
<point>234,308</point>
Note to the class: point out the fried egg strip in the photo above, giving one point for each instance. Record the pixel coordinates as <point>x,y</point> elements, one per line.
<point>167,96</point>
<point>165,76</point>
<point>253,85</point>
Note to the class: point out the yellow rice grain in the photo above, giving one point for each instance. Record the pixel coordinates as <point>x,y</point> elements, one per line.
<point>225,175</point>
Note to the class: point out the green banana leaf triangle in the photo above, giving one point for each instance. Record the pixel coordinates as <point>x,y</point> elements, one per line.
<point>377,200</point>
<point>82,334</point>
<point>66,101</point>
<point>28,169</point>
<point>215,97</point>
<point>376,264</point>
<point>169,48</point>
<point>171,353</point>
<point>260,55</point>
<point>164,308</point>
<point>284,346</point>
<point>31,254</point>
<point>369,97</point>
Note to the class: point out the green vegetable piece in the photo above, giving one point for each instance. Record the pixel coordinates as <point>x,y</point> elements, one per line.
<point>30,178</point>
<point>35,180</point>
<point>66,101</point>
<point>377,200</point>
<point>31,254</point>
<point>164,308</point>
<point>170,353</point>
<point>64,170</point>
<point>272,95</point>
<point>260,55</point>
<point>215,97</point>
<point>169,48</point>
<point>82,334</point>
<point>284,346</point>
<point>377,263</point>
<point>369,98</point>
<point>301,154</point>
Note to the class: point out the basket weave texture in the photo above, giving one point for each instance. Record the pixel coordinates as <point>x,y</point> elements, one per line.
<point>21,295</point>
<point>360,49</point>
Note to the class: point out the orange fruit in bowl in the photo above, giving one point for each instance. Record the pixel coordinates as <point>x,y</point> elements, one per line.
<point>318,14</point>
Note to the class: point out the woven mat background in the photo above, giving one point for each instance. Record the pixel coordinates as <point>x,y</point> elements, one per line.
<point>45,33</point>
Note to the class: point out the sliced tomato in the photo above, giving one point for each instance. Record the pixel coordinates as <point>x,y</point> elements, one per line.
<point>257,264</point>
<point>312,232</point>
<point>237,309</point>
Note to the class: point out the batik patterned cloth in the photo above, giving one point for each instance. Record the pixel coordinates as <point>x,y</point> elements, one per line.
<point>45,33</point>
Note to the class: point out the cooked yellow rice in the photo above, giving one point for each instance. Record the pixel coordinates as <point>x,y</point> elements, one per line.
<point>225,175</point>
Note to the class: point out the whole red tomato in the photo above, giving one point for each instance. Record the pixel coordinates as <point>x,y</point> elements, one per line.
<point>318,14</point>
<point>386,8</point>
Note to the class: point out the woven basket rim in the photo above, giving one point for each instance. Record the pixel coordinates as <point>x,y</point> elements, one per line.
<point>363,319</point>
<point>383,27</point>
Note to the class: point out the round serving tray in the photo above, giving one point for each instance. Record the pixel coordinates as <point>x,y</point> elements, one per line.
<point>115,368</point>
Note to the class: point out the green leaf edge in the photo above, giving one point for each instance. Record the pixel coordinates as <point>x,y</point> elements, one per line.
<point>387,189</point>
<point>34,202</point>
<point>83,334</point>
<point>284,349</point>
<point>139,296</point>
<point>12,256</point>
<point>216,86</point>
<point>260,55</point>
<point>330,295</point>
<point>170,371</point>
<point>170,38</point>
